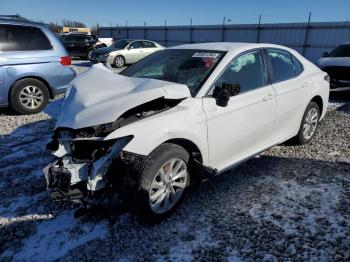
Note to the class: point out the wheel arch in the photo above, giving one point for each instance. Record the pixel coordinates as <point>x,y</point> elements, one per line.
<point>189,146</point>
<point>318,100</point>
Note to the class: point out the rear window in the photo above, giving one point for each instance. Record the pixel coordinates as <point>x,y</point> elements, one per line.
<point>282,65</point>
<point>22,38</point>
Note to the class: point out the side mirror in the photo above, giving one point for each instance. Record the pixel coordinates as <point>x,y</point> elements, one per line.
<point>224,92</point>
<point>129,47</point>
<point>325,54</point>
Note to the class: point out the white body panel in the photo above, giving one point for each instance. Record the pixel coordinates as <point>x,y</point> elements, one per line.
<point>225,136</point>
<point>241,123</point>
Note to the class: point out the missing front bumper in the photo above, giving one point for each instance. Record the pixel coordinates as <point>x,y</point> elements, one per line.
<point>65,174</point>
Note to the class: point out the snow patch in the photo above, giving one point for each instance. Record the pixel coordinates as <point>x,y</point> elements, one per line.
<point>55,238</point>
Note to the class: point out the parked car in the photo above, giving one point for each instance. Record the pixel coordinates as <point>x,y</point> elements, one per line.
<point>34,66</point>
<point>180,115</point>
<point>80,45</point>
<point>125,51</point>
<point>103,41</point>
<point>337,65</point>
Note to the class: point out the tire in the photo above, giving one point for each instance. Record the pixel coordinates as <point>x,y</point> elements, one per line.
<point>310,120</point>
<point>29,96</point>
<point>119,61</point>
<point>144,182</point>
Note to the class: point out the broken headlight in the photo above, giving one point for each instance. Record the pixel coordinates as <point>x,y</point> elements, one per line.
<point>92,150</point>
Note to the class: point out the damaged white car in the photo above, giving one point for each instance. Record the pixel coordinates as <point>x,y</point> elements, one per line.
<point>178,116</point>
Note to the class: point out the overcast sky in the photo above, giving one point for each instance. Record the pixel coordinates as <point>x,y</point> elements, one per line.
<point>177,12</point>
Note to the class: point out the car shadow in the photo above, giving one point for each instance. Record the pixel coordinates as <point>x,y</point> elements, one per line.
<point>7,111</point>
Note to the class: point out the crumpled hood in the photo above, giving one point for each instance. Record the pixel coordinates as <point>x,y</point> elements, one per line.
<point>100,96</point>
<point>333,61</point>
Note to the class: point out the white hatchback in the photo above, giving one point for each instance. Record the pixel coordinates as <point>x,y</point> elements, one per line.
<point>183,114</point>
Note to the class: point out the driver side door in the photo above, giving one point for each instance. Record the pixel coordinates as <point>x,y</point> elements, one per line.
<point>243,127</point>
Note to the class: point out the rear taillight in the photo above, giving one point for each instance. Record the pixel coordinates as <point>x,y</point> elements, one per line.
<point>327,78</point>
<point>65,60</point>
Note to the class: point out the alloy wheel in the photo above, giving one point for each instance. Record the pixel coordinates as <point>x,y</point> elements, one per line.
<point>31,97</point>
<point>310,123</point>
<point>168,185</point>
<point>119,61</point>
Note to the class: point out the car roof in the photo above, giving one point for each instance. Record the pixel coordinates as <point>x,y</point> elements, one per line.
<point>224,46</point>
<point>20,22</point>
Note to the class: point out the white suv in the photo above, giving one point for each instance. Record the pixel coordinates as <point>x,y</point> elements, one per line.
<point>180,115</point>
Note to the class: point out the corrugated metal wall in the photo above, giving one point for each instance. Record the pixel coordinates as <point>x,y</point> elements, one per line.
<point>309,39</point>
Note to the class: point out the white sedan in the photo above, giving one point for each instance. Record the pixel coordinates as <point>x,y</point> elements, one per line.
<point>180,115</point>
<point>124,52</point>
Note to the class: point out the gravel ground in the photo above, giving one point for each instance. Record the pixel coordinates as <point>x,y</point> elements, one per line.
<point>291,203</point>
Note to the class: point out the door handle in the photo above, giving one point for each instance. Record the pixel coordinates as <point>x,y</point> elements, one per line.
<point>268,97</point>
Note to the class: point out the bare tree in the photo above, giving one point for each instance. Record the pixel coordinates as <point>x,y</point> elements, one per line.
<point>54,27</point>
<point>70,23</point>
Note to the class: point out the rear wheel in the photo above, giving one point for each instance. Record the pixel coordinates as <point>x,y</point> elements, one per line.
<point>119,61</point>
<point>29,96</point>
<point>159,183</point>
<point>308,125</point>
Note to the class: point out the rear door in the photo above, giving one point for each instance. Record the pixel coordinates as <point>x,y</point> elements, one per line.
<point>293,88</point>
<point>148,48</point>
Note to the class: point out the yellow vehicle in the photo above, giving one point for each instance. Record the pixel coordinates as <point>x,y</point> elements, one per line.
<point>67,29</point>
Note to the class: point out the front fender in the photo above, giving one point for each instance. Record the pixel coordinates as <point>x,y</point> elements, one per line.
<point>185,121</point>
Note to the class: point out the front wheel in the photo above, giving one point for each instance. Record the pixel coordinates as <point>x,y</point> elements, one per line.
<point>308,125</point>
<point>160,182</point>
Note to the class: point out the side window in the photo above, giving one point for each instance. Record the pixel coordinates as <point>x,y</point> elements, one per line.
<point>79,39</point>
<point>67,39</point>
<point>248,70</point>
<point>282,65</point>
<point>135,45</point>
<point>147,44</point>
<point>22,38</point>
<point>298,68</point>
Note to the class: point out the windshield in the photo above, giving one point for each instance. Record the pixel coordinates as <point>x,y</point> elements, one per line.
<point>341,51</point>
<point>182,66</point>
<point>121,44</point>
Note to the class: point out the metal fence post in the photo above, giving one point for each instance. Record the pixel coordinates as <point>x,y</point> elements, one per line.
<point>306,34</point>
<point>127,29</point>
<point>223,30</point>
<point>191,29</point>
<point>258,30</point>
<point>165,34</point>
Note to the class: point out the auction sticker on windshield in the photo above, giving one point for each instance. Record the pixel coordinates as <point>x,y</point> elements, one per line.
<point>206,55</point>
